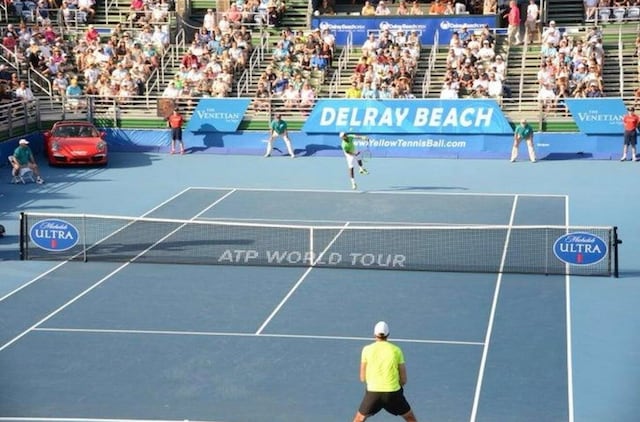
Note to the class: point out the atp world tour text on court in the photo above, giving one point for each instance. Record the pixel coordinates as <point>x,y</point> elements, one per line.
<point>247,256</point>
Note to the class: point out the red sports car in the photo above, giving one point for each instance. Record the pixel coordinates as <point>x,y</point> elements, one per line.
<point>75,142</point>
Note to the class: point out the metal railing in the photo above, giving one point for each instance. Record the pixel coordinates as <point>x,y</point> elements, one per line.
<point>41,81</point>
<point>253,65</point>
<point>433,57</point>
<point>24,117</point>
<point>523,65</point>
<point>615,14</point>
<point>342,65</point>
<point>19,117</point>
<point>621,61</point>
<point>10,57</point>
<point>4,12</point>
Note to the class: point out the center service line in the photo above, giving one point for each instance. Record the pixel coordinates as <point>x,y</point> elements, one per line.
<point>299,282</point>
<point>496,294</point>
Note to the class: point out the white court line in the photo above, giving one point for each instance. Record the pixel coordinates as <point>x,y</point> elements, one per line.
<point>111,274</point>
<point>376,223</point>
<point>299,282</point>
<point>494,304</point>
<point>163,203</point>
<point>392,192</point>
<point>567,281</point>
<point>37,419</point>
<point>232,334</point>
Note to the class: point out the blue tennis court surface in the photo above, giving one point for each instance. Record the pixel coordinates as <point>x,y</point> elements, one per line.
<point>137,341</point>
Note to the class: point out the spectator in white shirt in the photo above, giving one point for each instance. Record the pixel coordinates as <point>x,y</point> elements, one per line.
<point>531,22</point>
<point>447,92</point>
<point>171,91</point>
<point>209,22</point>
<point>495,86</point>
<point>382,9</point>
<point>551,34</point>
<point>486,53</point>
<point>24,93</point>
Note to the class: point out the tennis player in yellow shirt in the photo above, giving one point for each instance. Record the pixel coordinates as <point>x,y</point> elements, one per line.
<point>382,369</point>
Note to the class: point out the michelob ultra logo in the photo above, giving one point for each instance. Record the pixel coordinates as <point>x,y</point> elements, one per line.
<point>54,235</point>
<point>580,248</point>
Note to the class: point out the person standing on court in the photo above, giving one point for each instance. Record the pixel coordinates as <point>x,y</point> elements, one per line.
<point>382,369</point>
<point>175,122</point>
<point>351,154</point>
<point>523,131</point>
<point>513,21</point>
<point>631,121</point>
<point>278,129</point>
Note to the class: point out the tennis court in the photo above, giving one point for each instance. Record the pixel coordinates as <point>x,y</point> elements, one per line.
<point>135,340</point>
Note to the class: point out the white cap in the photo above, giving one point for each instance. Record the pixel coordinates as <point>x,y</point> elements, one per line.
<point>381,329</point>
<point>342,134</point>
<point>23,142</point>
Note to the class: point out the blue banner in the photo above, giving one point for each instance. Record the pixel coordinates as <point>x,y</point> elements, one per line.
<point>218,115</point>
<point>361,26</point>
<point>402,117</point>
<point>597,116</point>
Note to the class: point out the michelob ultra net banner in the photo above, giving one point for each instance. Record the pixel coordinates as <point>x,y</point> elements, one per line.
<point>419,116</point>
<point>597,116</point>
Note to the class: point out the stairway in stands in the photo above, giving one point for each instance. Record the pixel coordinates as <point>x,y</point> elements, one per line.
<point>565,12</point>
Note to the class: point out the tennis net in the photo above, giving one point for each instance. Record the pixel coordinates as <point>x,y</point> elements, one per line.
<point>494,249</point>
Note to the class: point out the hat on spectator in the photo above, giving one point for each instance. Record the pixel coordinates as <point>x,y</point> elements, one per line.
<point>552,22</point>
<point>498,57</point>
<point>23,142</point>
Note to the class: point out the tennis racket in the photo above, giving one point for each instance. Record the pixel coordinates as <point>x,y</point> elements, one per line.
<point>365,154</point>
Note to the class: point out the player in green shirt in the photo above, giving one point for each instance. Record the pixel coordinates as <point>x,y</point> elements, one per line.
<point>351,154</point>
<point>278,128</point>
<point>523,131</point>
<point>382,369</point>
<point>23,158</point>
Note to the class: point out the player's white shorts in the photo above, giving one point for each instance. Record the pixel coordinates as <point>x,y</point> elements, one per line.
<point>351,160</point>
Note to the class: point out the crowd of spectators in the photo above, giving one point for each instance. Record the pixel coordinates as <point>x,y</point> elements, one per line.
<point>86,62</point>
<point>387,66</point>
<point>299,63</point>
<point>473,69</point>
<point>570,67</point>
<point>405,7</point>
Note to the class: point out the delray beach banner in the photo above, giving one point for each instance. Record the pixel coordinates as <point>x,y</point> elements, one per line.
<point>597,116</point>
<point>360,26</point>
<point>218,115</point>
<point>418,116</point>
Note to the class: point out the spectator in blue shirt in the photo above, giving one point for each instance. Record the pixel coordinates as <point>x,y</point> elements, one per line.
<point>318,60</point>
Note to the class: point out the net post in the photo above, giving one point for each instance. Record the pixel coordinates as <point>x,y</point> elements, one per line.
<point>84,238</point>
<point>23,237</point>
<point>616,242</point>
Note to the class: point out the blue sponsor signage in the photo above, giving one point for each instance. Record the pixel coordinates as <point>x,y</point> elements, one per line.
<point>597,116</point>
<point>218,115</point>
<point>580,248</point>
<point>359,27</point>
<point>401,116</point>
<point>54,235</point>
